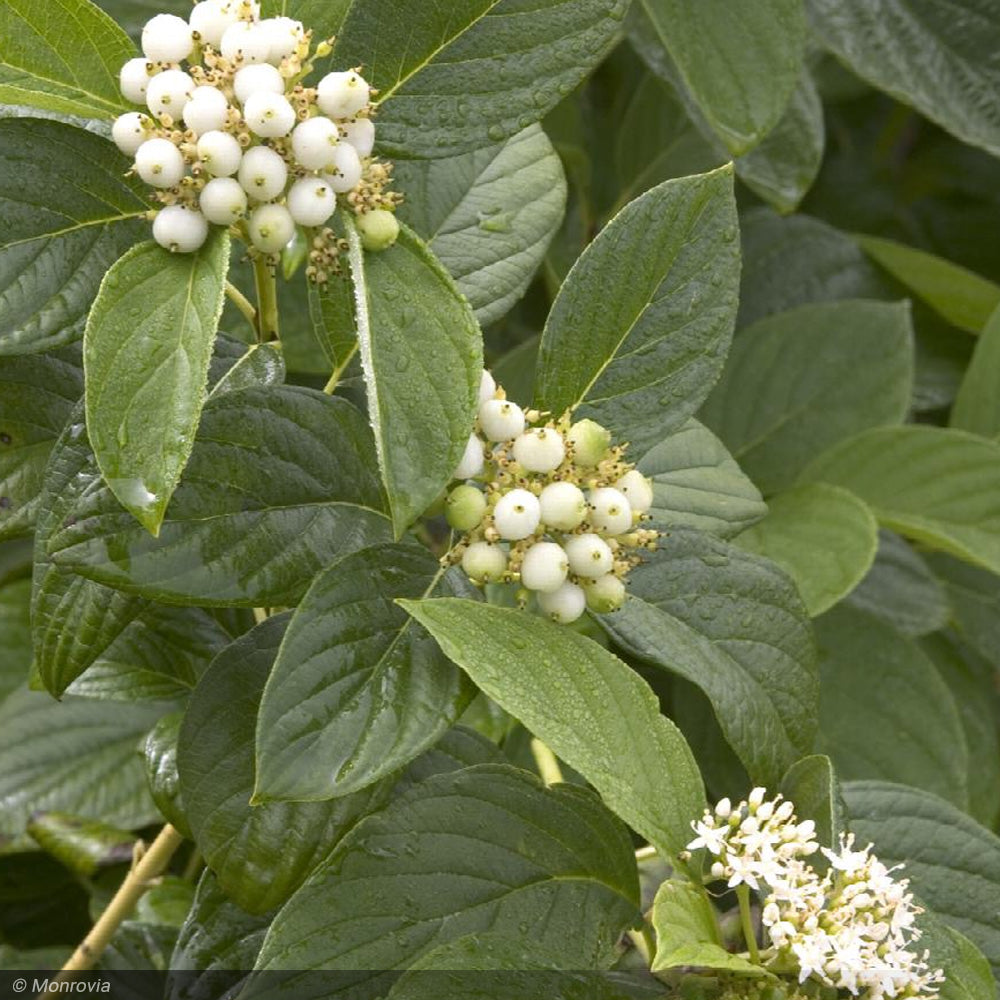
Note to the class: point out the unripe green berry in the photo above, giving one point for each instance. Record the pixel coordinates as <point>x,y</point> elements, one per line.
<point>465,507</point>
<point>590,442</point>
<point>605,594</point>
<point>484,562</point>
<point>378,229</point>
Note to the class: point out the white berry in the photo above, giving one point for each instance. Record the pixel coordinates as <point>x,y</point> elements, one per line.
<point>223,201</point>
<point>638,489</point>
<point>540,449</point>
<point>564,605</point>
<point>284,34</point>
<point>220,153</point>
<point>544,567</point>
<point>610,511</point>
<point>311,201</point>
<point>180,229</point>
<point>269,115</point>
<point>206,111</point>
<point>487,387</point>
<point>262,173</point>
<point>313,142</point>
<point>168,92</point>
<point>259,77</point>
<point>484,562</point>
<point>130,131</point>
<point>360,133</point>
<point>159,163</point>
<point>563,506</point>
<point>472,459</point>
<point>247,41</point>
<point>133,78</point>
<point>167,38</point>
<point>344,169</point>
<point>342,95</point>
<point>605,594</point>
<point>517,514</point>
<point>271,227</point>
<point>501,419</point>
<point>210,18</point>
<point>589,556</point>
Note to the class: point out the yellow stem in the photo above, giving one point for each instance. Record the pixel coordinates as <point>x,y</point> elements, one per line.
<point>545,759</point>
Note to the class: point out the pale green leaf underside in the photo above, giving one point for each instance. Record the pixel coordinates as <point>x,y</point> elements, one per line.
<point>938,486</point>
<point>824,537</point>
<point>977,405</point>
<point>488,216</point>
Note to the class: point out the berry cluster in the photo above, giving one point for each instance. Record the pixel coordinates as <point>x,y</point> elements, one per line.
<point>554,508</point>
<point>238,140</point>
<point>851,928</point>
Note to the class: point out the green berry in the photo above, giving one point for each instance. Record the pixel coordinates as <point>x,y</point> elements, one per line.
<point>606,594</point>
<point>465,507</point>
<point>590,442</point>
<point>378,228</point>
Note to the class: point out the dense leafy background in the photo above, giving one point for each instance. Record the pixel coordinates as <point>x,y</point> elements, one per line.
<point>758,244</point>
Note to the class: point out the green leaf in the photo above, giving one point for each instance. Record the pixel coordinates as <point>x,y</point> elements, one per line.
<point>216,937</point>
<point>967,973</point>
<point>62,55</point>
<point>781,170</point>
<point>474,72</point>
<point>158,656</point>
<point>133,14</point>
<point>938,486</point>
<point>261,364</point>
<point>73,620</point>
<point>37,394</point>
<point>739,66</point>
<point>733,624</point>
<point>146,353</point>
<point>15,635</point>
<point>687,933</point>
<point>160,752</point>
<point>280,483</point>
<point>952,862</point>
<point>960,296</point>
<point>937,57</point>
<point>324,16</point>
<point>358,689</point>
<point>69,214</point>
<point>589,707</point>
<point>901,590</point>
<point>789,262</point>
<point>885,712</point>
<point>977,405</point>
<point>812,785</point>
<point>641,325</point>
<point>256,862</point>
<point>459,747</point>
<point>974,598</point>
<point>488,215</point>
<point>697,484</point>
<point>971,680</point>
<point>76,756</point>
<point>421,352</point>
<point>333,326</point>
<point>801,381</point>
<point>485,848</point>
<point>824,538</point>
<point>81,845</point>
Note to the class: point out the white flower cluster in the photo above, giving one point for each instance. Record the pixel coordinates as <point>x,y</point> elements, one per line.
<point>851,928</point>
<point>554,508</point>
<point>237,139</point>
